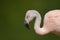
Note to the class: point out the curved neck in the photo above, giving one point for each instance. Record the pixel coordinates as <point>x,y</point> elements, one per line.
<point>37,21</point>
<point>37,27</point>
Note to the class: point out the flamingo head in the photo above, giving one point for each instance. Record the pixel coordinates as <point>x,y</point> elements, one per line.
<point>30,14</point>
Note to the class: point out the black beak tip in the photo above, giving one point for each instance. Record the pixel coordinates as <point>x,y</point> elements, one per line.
<point>26,25</point>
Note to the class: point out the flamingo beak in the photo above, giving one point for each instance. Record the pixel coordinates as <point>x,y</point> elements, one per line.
<point>26,25</point>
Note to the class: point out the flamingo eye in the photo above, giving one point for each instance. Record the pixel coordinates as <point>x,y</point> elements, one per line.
<point>27,17</point>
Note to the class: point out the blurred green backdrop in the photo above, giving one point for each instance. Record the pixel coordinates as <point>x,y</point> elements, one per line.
<point>12,19</point>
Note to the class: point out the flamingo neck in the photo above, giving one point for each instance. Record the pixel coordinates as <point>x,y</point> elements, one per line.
<point>37,22</point>
<point>37,27</point>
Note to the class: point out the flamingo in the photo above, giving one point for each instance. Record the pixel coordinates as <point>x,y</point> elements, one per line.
<point>51,21</point>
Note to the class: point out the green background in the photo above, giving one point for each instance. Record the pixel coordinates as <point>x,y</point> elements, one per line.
<point>12,15</point>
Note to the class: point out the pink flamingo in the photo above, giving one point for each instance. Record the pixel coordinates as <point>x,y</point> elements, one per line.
<point>51,21</point>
